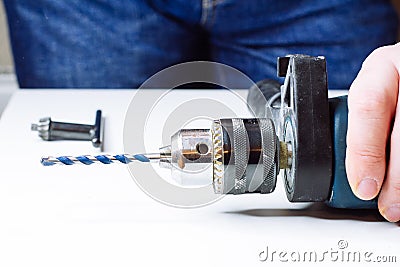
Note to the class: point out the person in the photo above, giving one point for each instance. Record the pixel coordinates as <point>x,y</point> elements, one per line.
<point>119,44</point>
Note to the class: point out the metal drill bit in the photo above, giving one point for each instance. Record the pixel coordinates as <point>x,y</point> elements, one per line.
<point>104,159</point>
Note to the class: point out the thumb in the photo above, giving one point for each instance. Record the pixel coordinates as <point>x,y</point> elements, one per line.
<point>372,104</point>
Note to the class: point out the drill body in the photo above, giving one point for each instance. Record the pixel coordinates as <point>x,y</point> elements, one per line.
<point>316,128</point>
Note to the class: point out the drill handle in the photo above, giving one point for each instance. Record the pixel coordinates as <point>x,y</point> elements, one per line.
<point>341,194</point>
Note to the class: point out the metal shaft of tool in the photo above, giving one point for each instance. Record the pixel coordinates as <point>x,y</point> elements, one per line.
<point>103,159</point>
<point>50,130</point>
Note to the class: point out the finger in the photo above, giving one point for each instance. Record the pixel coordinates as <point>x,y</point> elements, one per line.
<point>372,102</point>
<point>389,198</point>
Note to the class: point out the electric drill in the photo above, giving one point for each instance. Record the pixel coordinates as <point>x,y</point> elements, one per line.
<point>297,131</point>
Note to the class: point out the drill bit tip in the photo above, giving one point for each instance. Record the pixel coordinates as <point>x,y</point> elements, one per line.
<point>46,161</point>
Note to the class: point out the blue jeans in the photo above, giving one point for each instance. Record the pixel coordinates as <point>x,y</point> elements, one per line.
<point>121,43</point>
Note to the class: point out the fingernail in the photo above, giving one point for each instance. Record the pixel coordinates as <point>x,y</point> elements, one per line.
<point>392,214</point>
<point>367,189</point>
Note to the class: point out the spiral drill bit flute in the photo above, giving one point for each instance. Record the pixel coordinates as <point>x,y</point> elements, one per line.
<point>298,133</point>
<point>105,159</point>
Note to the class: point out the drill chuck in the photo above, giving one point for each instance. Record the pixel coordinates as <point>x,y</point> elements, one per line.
<point>241,156</point>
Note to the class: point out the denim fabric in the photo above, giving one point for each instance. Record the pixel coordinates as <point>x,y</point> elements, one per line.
<point>121,43</point>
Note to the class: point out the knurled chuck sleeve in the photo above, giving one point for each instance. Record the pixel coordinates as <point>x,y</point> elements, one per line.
<point>245,156</point>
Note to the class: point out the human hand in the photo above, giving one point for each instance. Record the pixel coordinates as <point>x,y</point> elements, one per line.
<point>373,137</point>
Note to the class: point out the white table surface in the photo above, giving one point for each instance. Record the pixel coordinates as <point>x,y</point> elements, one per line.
<point>98,216</point>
